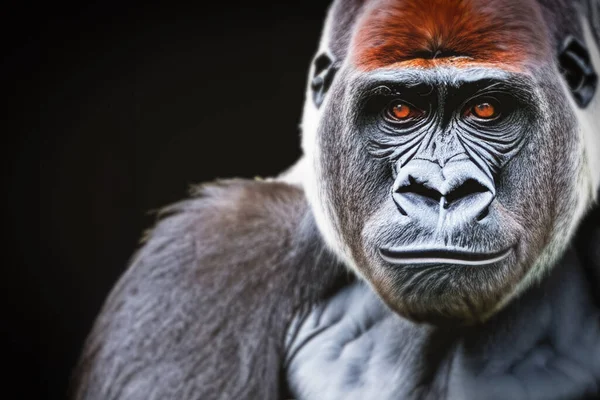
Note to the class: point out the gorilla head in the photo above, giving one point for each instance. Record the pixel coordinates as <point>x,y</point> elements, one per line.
<point>444,153</point>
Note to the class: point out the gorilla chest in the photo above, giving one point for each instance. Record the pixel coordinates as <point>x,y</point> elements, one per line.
<point>353,347</point>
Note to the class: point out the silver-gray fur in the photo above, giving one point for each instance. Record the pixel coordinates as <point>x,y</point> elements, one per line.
<point>202,311</point>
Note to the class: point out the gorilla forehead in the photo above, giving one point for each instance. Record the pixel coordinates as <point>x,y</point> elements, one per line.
<point>382,32</point>
<point>506,33</point>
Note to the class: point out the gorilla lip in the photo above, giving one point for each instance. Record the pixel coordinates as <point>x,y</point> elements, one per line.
<point>442,256</point>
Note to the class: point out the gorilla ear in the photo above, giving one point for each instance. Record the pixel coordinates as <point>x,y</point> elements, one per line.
<point>325,70</point>
<point>578,71</point>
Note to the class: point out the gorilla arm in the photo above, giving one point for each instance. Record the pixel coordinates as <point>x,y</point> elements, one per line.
<point>203,309</point>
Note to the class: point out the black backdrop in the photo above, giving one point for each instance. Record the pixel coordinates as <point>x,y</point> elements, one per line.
<point>116,109</point>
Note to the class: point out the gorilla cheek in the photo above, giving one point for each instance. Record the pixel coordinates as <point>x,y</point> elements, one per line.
<point>365,195</point>
<point>525,190</point>
<point>355,185</point>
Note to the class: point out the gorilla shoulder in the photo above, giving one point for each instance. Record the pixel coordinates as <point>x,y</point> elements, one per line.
<point>209,295</point>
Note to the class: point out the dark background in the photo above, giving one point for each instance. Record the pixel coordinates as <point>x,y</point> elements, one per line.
<point>116,109</point>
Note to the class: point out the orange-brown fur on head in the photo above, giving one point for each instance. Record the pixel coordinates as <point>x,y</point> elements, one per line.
<point>466,31</point>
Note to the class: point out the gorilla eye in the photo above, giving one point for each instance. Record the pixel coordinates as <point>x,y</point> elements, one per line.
<point>483,110</point>
<point>399,112</point>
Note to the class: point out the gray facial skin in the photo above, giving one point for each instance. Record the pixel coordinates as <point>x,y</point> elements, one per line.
<point>443,184</point>
<point>441,256</point>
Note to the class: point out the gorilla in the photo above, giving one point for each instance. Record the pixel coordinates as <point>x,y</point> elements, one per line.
<point>438,239</point>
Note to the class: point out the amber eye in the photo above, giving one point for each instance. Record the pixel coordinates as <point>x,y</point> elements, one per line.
<point>402,112</point>
<point>484,111</point>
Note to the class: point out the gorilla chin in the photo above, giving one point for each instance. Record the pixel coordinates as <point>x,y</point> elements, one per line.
<point>446,286</point>
<point>445,276</point>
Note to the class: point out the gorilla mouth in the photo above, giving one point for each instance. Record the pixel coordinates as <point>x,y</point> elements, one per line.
<point>442,256</point>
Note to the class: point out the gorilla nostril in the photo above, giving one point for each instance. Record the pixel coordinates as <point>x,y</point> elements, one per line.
<point>468,188</point>
<point>420,189</point>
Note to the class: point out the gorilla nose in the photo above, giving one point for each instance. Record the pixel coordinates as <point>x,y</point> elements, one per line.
<point>470,187</point>
<point>459,190</point>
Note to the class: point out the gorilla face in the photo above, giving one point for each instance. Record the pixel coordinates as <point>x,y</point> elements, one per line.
<point>449,185</point>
